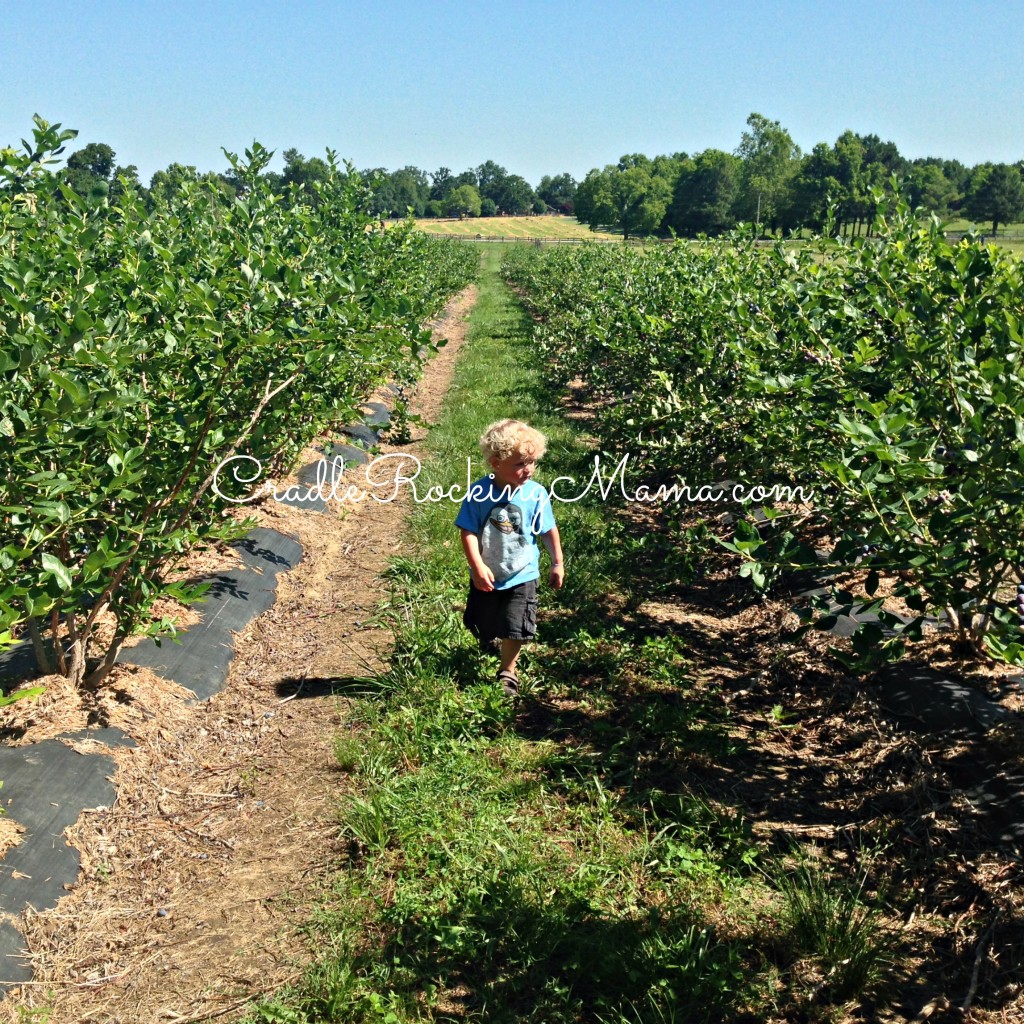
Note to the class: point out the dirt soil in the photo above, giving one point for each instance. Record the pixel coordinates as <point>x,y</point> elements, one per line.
<point>197,882</point>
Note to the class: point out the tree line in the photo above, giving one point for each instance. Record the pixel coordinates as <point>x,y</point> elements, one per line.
<point>487,190</point>
<point>766,181</point>
<point>769,183</point>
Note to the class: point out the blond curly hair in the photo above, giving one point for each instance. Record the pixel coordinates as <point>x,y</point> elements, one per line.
<point>504,438</point>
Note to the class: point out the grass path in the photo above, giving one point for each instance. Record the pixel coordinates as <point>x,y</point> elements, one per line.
<point>541,861</point>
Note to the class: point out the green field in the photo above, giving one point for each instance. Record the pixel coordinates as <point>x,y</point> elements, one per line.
<point>1011,236</point>
<point>1015,230</point>
<point>511,227</point>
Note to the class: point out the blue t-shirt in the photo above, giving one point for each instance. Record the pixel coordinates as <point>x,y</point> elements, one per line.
<point>507,526</point>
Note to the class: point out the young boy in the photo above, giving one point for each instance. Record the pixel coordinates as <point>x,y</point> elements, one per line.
<point>500,520</point>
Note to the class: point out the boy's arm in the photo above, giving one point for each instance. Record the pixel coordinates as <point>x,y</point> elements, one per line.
<point>483,578</point>
<point>553,543</point>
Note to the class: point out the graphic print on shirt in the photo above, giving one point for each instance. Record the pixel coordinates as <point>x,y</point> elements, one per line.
<point>504,545</point>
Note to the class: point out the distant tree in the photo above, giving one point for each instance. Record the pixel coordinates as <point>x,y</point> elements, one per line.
<point>488,207</point>
<point>435,208</point>
<point>558,192</point>
<point>815,185</point>
<point>512,194</point>
<point>770,159</point>
<point>855,207</point>
<point>488,175</point>
<point>381,198</point>
<point>669,167</point>
<point>466,178</point>
<point>641,199</point>
<point>463,201</point>
<point>929,188</point>
<point>869,166</point>
<point>409,189</point>
<point>885,154</point>
<point>704,194</point>
<point>441,183</point>
<point>235,181</point>
<point>125,180</point>
<point>996,193</point>
<point>834,177</point>
<point>165,185</point>
<point>590,197</point>
<point>627,196</point>
<point>97,158</point>
<point>302,172</point>
<point>628,161</point>
<point>88,171</point>
<point>539,206</point>
<point>959,176</point>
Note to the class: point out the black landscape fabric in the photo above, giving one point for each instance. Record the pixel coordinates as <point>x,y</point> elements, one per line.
<point>46,787</point>
<point>321,476</point>
<point>14,968</point>
<point>200,660</point>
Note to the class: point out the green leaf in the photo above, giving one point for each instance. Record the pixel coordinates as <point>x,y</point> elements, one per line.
<point>56,567</point>
<point>77,394</point>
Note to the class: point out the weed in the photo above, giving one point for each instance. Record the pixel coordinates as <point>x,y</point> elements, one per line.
<point>347,751</point>
<point>780,717</point>
<point>705,839</point>
<point>248,781</point>
<point>367,820</point>
<point>830,922</point>
<point>402,421</point>
<point>35,1015</point>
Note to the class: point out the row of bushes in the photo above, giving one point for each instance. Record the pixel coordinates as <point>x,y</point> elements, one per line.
<point>885,377</point>
<point>140,349</point>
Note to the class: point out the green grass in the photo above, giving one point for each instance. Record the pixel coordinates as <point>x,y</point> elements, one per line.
<point>542,861</point>
<point>1010,236</point>
<point>568,227</point>
<point>982,227</point>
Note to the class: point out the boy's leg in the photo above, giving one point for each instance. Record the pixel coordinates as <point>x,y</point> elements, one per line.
<point>492,615</point>
<point>521,623</point>
<point>507,675</point>
<point>510,654</point>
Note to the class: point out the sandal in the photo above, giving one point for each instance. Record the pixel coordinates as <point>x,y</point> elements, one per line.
<point>509,683</point>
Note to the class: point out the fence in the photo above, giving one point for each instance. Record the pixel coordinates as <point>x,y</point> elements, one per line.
<point>951,236</point>
<point>545,241</point>
<point>984,236</point>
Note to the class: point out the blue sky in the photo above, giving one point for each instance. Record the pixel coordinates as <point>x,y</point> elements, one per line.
<point>541,88</point>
